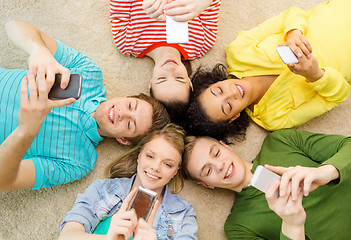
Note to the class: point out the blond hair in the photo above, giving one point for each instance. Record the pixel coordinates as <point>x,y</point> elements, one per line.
<point>125,166</point>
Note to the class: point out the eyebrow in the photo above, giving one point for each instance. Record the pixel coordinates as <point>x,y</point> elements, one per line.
<point>223,110</point>
<point>136,107</point>
<point>209,153</point>
<point>213,92</point>
<point>161,81</point>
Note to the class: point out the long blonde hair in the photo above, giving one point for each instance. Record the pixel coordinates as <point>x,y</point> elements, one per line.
<point>125,166</point>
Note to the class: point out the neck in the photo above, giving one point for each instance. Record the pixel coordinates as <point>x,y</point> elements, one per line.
<point>160,54</point>
<point>260,85</point>
<point>247,177</point>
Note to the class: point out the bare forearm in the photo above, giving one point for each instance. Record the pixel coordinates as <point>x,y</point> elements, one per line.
<point>294,232</point>
<point>11,153</point>
<point>76,232</point>
<point>25,36</point>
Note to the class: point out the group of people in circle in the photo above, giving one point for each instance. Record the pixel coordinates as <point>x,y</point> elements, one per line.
<point>176,132</point>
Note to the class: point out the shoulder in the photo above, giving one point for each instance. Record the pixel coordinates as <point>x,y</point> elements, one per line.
<point>174,203</point>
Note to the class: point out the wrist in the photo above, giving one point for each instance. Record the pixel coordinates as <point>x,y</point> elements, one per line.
<point>293,231</point>
<point>330,171</point>
<point>318,75</point>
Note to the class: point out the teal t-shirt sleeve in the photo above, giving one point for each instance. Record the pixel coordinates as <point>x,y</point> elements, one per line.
<point>103,226</point>
<point>71,58</point>
<point>51,171</point>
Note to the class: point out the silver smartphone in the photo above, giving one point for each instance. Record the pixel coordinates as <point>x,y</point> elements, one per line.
<point>143,202</point>
<point>263,178</point>
<point>73,90</point>
<point>177,32</point>
<point>287,55</point>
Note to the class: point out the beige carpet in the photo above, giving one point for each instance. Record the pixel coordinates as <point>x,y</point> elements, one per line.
<point>84,26</point>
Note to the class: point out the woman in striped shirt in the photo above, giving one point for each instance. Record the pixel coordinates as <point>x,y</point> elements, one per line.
<point>136,33</point>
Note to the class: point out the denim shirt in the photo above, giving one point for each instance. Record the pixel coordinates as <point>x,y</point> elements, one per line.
<point>175,217</point>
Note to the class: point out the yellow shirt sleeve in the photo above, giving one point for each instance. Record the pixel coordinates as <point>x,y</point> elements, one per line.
<point>253,52</point>
<point>292,101</point>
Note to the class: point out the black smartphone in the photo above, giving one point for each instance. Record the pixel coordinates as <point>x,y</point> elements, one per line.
<point>73,89</point>
<point>143,202</point>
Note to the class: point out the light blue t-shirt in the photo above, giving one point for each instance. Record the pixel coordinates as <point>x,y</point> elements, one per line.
<point>64,149</point>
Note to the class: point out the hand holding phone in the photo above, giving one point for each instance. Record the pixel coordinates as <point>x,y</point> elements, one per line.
<point>263,178</point>
<point>73,90</point>
<point>177,32</point>
<point>287,55</point>
<point>143,202</point>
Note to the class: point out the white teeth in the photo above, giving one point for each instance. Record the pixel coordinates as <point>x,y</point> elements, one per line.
<point>152,176</point>
<point>229,171</point>
<point>241,90</point>
<point>111,115</point>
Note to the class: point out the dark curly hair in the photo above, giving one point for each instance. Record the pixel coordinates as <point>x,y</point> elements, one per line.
<point>197,123</point>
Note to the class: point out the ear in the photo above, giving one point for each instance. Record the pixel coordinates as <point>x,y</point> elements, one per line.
<point>191,85</point>
<point>205,185</point>
<point>123,141</point>
<point>226,145</point>
<point>149,86</point>
<point>235,117</point>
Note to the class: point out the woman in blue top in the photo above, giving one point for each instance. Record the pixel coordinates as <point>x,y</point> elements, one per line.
<point>100,212</point>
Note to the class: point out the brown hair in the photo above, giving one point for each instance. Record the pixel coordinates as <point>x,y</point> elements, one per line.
<point>126,165</point>
<point>190,142</point>
<point>160,117</point>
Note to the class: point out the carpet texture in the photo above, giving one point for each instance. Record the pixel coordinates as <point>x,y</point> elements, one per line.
<point>84,25</point>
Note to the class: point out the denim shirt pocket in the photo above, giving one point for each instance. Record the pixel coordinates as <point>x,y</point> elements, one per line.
<point>174,225</point>
<point>107,205</point>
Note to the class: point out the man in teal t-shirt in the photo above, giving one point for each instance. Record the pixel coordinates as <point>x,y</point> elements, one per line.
<point>314,191</point>
<point>48,142</point>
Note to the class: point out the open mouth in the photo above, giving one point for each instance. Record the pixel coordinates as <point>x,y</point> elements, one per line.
<point>230,171</point>
<point>111,114</point>
<point>241,89</point>
<point>152,176</point>
<point>169,61</point>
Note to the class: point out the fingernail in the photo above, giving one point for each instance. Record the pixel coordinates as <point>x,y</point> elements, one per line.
<point>63,85</point>
<point>299,55</point>
<point>309,55</point>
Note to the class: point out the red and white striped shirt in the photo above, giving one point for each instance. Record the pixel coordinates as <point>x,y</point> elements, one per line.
<point>135,33</point>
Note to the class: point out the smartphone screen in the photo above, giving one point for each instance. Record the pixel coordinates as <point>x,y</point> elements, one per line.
<point>287,55</point>
<point>143,202</point>
<point>177,32</point>
<point>263,178</point>
<point>73,89</point>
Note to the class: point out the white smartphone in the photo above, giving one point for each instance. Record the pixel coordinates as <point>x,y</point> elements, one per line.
<point>263,178</point>
<point>287,55</point>
<point>177,32</point>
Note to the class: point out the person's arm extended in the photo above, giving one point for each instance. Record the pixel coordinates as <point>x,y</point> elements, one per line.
<point>76,231</point>
<point>14,173</point>
<point>41,48</point>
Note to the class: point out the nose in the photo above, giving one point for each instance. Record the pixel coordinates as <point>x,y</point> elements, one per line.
<point>230,91</point>
<point>156,166</point>
<point>218,165</point>
<point>123,113</point>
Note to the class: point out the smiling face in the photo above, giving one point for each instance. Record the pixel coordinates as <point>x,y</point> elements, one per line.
<point>224,100</point>
<point>170,81</point>
<point>158,163</point>
<point>123,117</point>
<point>218,166</point>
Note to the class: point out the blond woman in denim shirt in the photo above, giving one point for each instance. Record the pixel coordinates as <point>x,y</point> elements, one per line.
<point>100,212</point>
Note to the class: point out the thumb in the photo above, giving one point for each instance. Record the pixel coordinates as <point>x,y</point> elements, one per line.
<point>152,215</point>
<point>62,102</point>
<point>278,170</point>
